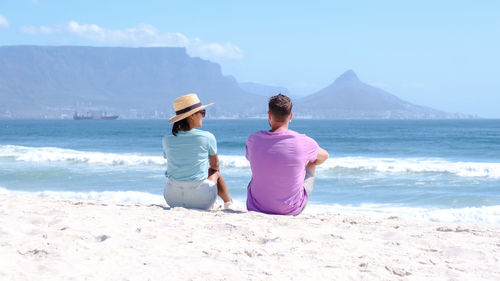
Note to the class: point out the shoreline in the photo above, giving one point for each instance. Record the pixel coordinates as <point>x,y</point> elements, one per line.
<point>60,239</point>
<point>465,216</point>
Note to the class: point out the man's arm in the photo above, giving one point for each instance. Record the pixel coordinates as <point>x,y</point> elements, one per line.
<point>322,157</point>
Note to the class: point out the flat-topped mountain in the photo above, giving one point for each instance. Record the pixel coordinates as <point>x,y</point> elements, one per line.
<point>37,80</point>
<point>349,98</point>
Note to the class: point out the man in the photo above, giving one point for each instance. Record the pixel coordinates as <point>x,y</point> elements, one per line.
<point>283,164</point>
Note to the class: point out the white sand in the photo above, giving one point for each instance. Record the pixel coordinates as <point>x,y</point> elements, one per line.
<point>49,239</point>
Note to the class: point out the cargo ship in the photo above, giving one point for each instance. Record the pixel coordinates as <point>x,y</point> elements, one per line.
<point>92,117</point>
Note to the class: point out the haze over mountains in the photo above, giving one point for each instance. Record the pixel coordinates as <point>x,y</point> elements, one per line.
<point>263,90</point>
<point>55,82</point>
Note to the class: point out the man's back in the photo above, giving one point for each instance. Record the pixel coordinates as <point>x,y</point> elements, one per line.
<point>278,162</point>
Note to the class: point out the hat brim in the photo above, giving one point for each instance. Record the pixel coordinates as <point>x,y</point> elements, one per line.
<point>186,114</point>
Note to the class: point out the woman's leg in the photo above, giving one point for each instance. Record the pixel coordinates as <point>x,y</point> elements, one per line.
<point>222,190</point>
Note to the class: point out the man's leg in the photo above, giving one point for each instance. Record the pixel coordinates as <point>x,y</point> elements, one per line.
<point>309,179</point>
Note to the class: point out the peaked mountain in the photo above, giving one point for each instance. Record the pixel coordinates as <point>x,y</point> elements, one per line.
<point>132,82</point>
<point>349,98</point>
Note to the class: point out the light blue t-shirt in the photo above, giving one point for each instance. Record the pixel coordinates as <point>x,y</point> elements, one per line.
<point>187,154</point>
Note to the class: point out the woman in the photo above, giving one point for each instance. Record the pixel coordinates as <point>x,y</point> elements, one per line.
<point>192,162</point>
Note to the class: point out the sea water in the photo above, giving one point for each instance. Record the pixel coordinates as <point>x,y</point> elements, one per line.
<point>439,170</point>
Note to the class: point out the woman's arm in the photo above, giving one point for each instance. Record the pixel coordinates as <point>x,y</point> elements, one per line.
<point>214,162</point>
<point>215,176</point>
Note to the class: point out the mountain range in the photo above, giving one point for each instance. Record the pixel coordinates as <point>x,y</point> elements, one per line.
<point>55,82</point>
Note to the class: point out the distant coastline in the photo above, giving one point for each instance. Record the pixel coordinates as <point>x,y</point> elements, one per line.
<point>120,118</point>
<point>104,116</point>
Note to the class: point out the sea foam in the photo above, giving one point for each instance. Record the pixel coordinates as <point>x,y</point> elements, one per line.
<point>332,166</point>
<point>415,165</point>
<point>109,196</point>
<point>55,154</point>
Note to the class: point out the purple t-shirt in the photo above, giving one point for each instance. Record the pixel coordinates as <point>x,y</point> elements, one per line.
<point>278,161</point>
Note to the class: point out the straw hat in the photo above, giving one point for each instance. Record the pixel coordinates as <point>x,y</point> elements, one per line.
<point>185,106</point>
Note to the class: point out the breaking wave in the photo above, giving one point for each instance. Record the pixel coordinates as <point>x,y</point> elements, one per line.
<point>333,166</point>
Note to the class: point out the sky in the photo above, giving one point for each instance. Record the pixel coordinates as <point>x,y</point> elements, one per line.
<point>440,54</point>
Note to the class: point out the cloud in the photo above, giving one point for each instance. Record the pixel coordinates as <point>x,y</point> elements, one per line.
<point>4,23</point>
<point>143,35</point>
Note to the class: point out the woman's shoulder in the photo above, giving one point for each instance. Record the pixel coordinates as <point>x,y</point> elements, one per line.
<point>203,133</point>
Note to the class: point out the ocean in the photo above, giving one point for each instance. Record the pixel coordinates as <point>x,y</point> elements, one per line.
<point>436,170</point>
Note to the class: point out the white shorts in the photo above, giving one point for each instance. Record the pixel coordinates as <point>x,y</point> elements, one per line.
<point>190,194</point>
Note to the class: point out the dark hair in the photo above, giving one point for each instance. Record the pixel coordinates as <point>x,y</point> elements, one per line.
<point>280,107</point>
<point>181,125</point>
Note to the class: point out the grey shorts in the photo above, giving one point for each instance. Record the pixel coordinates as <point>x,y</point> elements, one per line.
<point>190,194</point>
<point>308,186</point>
<point>309,182</point>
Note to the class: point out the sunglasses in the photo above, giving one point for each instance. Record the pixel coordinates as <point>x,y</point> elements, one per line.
<point>203,112</point>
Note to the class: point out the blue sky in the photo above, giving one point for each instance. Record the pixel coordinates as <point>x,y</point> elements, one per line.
<point>442,54</point>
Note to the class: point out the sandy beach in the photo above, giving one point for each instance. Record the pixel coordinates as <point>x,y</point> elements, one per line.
<point>53,239</point>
